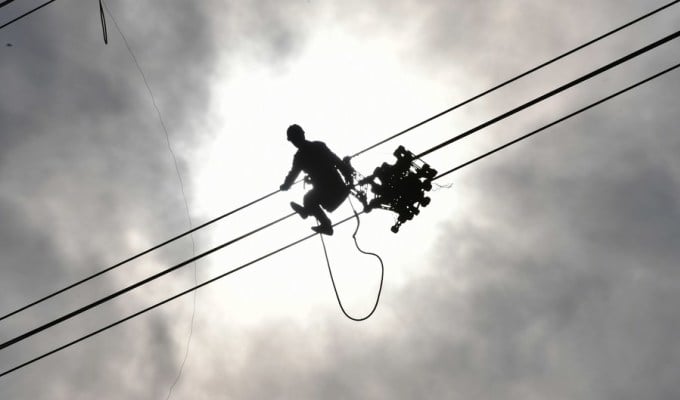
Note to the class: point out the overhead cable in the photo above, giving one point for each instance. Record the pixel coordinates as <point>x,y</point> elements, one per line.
<point>4,3</point>
<point>517,77</point>
<point>178,295</point>
<point>120,321</point>
<point>553,92</point>
<point>432,149</point>
<point>555,122</point>
<point>27,13</point>
<point>135,285</point>
<point>136,256</point>
<point>181,235</point>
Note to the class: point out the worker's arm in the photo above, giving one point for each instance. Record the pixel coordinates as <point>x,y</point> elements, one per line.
<point>292,175</point>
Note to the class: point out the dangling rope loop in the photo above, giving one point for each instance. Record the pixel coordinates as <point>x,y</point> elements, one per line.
<point>330,272</point>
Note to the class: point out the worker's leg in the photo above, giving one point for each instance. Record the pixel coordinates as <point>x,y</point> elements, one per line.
<point>313,207</point>
<point>299,209</point>
<point>333,196</point>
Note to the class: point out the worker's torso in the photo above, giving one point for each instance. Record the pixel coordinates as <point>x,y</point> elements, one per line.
<point>317,161</point>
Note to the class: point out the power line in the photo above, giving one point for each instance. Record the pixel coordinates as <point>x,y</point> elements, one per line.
<point>6,2</point>
<point>181,235</point>
<point>129,317</point>
<point>27,13</point>
<point>553,92</point>
<point>435,148</point>
<point>530,71</point>
<point>138,255</point>
<point>526,105</point>
<point>557,121</point>
<point>135,285</point>
<point>120,321</point>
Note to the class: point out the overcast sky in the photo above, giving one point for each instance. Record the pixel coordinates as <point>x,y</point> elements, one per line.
<point>549,270</point>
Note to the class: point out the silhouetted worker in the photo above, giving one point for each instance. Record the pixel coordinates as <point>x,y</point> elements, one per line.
<point>321,166</point>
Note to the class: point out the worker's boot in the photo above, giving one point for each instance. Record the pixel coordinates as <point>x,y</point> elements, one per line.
<point>299,209</point>
<point>325,229</point>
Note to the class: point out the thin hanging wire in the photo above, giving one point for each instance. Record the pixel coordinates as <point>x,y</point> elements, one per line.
<point>181,185</point>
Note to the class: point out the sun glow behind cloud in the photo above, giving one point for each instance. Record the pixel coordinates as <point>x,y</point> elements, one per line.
<point>345,90</point>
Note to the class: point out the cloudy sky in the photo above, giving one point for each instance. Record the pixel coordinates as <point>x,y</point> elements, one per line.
<point>549,270</point>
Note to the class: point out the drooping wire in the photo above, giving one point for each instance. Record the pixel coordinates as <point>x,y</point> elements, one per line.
<point>187,347</point>
<point>330,271</point>
<point>179,177</point>
<point>553,92</point>
<point>97,274</point>
<point>160,119</point>
<point>120,321</point>
<point>523,74</point>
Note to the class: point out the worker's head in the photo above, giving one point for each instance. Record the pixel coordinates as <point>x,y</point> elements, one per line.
<point>295,134</point>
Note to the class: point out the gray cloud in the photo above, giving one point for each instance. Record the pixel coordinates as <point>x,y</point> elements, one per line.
<point>82,156</point>
<point>84,164</point>
<point>570,293</point>
<point>561,283</point>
